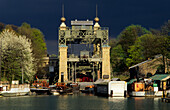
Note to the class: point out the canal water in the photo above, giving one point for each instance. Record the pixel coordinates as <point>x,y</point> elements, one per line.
<point>81,102</point>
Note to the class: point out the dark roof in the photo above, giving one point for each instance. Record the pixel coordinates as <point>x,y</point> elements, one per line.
<point>160,76</point>
<point>133,80</point>
<point>155,57</point>
<point>140,63</point>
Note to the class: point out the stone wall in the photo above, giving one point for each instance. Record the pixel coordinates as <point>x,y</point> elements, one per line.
<point>63,63</point>
<point>106,62</point>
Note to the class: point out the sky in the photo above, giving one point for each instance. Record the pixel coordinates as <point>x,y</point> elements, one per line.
<point>115,14</point>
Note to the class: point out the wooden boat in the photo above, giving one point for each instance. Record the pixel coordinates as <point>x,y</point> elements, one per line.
<point>40,90</point>
<point>40,87</point>
<point>88,89</point>
<point>62,88</point>
<point>54,90</point>
<point>75,87</point>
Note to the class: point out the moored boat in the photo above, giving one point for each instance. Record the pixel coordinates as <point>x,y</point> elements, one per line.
<point>17,90</point>
<point>75,87</point>
<point>40,90</point>
<point>88,89</point>
<point>54,90</point>
<point>13,93</point>
<point>40,87</point>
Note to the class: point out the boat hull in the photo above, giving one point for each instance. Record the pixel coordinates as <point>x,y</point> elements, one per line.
<point>14,94</point>
<point>146,94</point>
<point>40,91</point>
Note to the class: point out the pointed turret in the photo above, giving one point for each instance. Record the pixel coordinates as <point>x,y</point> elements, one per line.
<point>96,25</point>
<point>63,25</point>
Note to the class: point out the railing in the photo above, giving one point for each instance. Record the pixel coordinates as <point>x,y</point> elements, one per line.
<point>70,28</point>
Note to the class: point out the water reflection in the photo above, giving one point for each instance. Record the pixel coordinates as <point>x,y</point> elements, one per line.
<point>81,102</point>
<point>116,99</point>
<point>117,102</point>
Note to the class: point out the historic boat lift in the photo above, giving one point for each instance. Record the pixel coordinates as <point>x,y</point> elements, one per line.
<point>84,53</point>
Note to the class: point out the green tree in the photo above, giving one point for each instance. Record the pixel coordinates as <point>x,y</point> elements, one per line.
<point>38,44</point>
<point>147,46</point>
<point>118,59</point>
<point>129,35</point>
<point>16,55</point>
<point>165,29</point>
<point>37,39</point>
<point>135,54</point>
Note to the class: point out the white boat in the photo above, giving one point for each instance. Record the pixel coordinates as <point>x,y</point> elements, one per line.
<point>16,92</point>
<point>17,89</point>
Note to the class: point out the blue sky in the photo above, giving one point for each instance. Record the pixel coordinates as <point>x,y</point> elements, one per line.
<point>115,14</point>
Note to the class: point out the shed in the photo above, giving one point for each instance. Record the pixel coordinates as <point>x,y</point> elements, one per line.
<point>162,80</point>
<point>117,88</point>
